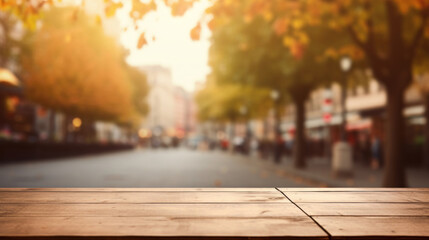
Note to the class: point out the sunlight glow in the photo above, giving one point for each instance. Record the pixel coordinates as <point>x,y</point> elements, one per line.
<point>169,43</point>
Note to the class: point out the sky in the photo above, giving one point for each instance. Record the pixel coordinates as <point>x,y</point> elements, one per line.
<point>173,47</point>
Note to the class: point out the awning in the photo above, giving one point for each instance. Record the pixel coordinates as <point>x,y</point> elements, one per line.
<point>8,78</point>
<point>9,83</point>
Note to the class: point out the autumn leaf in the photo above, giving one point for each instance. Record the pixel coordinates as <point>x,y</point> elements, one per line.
<point>179,7</point>
<point>211,24</point>
<point>142,41</point>
<point>196,32</point>
<point>139,9</point>
<point>297,50</point>
<point>281,26</point>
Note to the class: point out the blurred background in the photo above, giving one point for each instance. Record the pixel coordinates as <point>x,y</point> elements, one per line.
<point>214,93</point>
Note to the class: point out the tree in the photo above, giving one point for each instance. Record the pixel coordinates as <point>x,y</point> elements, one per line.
<point>222,102</point>
<point>140,89</point>
<point>30,11</point>
<point>66,70</point>
<point>389,33</point>
<point>9,43</point>
<point>250,52</point>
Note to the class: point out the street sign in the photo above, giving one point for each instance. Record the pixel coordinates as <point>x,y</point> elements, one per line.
<point>327,106</point>
<point>327,117</point>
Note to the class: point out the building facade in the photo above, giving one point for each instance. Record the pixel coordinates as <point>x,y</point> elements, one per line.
<point>161,100</point>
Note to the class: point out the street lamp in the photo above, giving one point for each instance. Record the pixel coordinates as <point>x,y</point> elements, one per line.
<point>275,94</point>
<point>345,64</point>
<point>342,161</point>
<point>77,122</point>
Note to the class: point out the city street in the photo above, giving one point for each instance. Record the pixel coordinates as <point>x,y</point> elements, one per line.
<point>145,168</point>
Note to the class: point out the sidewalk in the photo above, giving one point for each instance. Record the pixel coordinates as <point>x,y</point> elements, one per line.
<point>318,173</point>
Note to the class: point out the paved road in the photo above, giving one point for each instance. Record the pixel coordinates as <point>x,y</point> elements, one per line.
<point>144,168</point>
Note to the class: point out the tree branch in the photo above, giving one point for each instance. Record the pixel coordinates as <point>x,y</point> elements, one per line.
<point>367,46</point>
<point>355,37</point>
<point>419,34</point>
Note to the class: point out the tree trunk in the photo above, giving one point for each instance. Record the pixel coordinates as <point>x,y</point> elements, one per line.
<point>2,111</point>
<point>299,143</point>
<point>265,128</point>
<point>426,146</point>
<point>394,138</point>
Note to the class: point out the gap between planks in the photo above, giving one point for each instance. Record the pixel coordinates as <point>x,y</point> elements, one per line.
<point>309,216</point>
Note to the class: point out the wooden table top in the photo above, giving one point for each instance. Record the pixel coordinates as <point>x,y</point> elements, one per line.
<point>214,213</point>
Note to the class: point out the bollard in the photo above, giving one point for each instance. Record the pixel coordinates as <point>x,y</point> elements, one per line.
<point>342,161</point>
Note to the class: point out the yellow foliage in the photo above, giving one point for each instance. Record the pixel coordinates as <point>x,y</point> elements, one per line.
<point>76,69</point>
<point>297,24</point>
<point>288,41</point>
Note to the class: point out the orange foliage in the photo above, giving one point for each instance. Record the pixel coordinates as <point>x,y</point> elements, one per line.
<point>78,70</point>
<point>196,32</point>
<point>281,25</point>
<point>289,17</point>
<point>142,41</point>
<point>179,7</point>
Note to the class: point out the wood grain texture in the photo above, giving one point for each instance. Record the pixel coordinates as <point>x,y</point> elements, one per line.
<point>354,189</point>
<point>138,190</point>
<point>369,197</point>
<point>159,226</point>
<point>152,210</point>
<point>29,197</point>
<point>373,227</point>
<point>365,209</point>
<point>217,214</point>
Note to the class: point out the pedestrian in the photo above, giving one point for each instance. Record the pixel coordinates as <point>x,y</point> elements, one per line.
<point>375,152</point>
<point>278,148</point>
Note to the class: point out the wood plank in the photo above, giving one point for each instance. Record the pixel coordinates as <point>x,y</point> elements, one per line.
<point>142,197</point>
<point>138,190</point>
<point>354,189</point>
<point>365,209</point>
<point>339,197</point>
<point>375,227</point>
<point>151,210</point>
<point>166,227</point>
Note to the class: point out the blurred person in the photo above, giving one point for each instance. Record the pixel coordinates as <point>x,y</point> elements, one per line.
<point>363,149</point>
<point>278,148</point>
<point>212,144</point>
<point>375,152</point>
<point>254,145</point>
<point>238,143</point>
<point>175,142</point>
<point>263,148</point>
<point>155,142</point>
<point>289,147</point>
<point>224,143</point>
<point>246,145</point>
